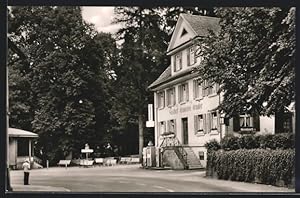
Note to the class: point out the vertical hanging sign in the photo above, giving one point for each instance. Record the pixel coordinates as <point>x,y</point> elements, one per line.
<point>150,112</point>
<point>150,122</point>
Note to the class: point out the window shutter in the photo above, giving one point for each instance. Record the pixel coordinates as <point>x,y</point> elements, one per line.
<point>204,123</point>
<point>174,95</point>
<point>188,57</point>
<point>209,117</point>
<point>256,122</point>
<point>180,56</point>
<point>179,93</point>
<point>187,91</point>
<point>164,99</point>
<point>195,88</point>
<point>175,131</point>
<point>195,124</point>
<point>236,123</point>
<point>195,57</point>
<point>174,59</point>
<point>218,122</point>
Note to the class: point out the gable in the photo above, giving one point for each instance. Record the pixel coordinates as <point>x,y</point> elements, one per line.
<point>182,33</point>
<point>189,26</point>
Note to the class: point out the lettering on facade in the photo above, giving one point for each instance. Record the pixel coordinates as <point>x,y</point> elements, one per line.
<point>173,111</point>
<point>185,109</point>
<point>197,107</point>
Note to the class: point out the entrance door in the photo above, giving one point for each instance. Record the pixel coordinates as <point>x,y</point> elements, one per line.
<point>185,130</point>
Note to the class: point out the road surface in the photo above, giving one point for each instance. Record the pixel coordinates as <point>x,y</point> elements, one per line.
<point>129,178</point>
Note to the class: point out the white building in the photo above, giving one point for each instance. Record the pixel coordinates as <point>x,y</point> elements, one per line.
<point>185,107</point>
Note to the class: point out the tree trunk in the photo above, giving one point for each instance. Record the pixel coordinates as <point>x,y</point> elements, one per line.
<point>141,136</point>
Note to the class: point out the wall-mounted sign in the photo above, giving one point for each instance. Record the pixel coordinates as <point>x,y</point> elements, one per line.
<point>150,123</point>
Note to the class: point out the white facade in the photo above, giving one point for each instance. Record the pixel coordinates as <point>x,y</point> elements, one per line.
<point>187,108</point>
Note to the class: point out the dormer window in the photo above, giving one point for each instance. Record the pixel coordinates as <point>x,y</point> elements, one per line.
<point>178,62</point>
<point>191,58</point>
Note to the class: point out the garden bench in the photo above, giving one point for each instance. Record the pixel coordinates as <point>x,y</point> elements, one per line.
<point>86,163</point>
<point>110,162</point>
<point>135,160</point>
<point>99,161</point>
<point>64,163</point>
<point>125,160</point>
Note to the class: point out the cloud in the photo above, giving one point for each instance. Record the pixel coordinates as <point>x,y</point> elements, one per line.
<point>101,17</point>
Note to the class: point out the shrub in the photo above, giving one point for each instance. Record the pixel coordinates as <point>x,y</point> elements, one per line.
<point>269,141</point>
<point>248,142</point>
<point>212,145</point>
<point>255,165</point>
<point>229,143</point>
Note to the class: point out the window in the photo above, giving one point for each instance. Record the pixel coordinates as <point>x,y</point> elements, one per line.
<point>199,123</point>
<point>214,121</point>
<point>197,89</point>
<point>209,88</point>
<point>23,147</point>
<point>191,58</point>
<point>178,62</point>
<point>172,126</point>
<point>184,32</point>
<point>162,127</point>
<point>161,99</point>
<point>245,121</point>
<point>201,155</point>
<point>171,99</point>
<point>183,92</point>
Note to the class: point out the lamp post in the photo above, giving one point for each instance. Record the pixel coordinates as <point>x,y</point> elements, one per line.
<point>9,188</point>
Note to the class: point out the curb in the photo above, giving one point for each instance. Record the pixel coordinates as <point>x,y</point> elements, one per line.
<point>23,188</point>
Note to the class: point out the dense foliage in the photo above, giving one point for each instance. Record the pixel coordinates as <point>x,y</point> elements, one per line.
<point>60,87</point>
<point>253,58</point>
<point>275,167</point>
<point>268,141</point>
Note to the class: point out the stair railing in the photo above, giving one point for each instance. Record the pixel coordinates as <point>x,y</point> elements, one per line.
<point>171,141</point>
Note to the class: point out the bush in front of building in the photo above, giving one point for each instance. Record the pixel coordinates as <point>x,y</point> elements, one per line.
<point>230,142</point>
<point>274,167</point>
<point>212,145</point>
<point>269,141</point>
<point>277,141</point>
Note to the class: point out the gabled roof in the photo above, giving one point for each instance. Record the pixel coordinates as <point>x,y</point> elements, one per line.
<point>13,132</point>
<point>202,24</point>
<point>164,76</point>
<point>199,26</point>
<point>167,77</point>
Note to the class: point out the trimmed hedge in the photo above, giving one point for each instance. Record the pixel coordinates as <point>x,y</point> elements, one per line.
<point>277,141</point>
<point>274,167</point>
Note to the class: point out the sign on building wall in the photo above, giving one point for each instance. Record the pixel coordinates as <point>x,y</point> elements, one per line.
<point>150,122</point>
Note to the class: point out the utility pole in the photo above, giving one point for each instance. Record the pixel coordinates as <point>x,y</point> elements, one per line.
<point>9,188</point>
<point>4,65</point>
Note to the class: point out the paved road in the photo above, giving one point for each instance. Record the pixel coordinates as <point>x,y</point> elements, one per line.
<point>130,178</point>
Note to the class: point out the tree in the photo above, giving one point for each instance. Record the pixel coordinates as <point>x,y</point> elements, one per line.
<point>66,73</point>
<point>253,58</point>
<point>142,61</point>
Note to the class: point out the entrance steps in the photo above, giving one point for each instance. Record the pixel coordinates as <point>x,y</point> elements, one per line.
<point>193,161</point>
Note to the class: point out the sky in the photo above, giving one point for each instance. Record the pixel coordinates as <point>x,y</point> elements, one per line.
<point>101,17</point>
